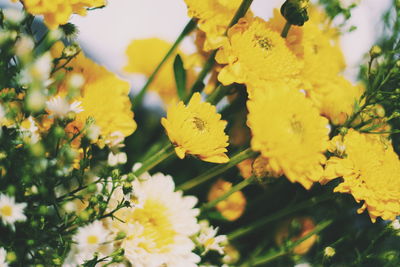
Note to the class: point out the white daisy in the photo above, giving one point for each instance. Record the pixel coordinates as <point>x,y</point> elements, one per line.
<point>209,240</point>
<point>89,239</point>
<point>59,107</point>
<point>3,256</point>
<point>115,159</point>
<point>91,236</point>
<point>159,225</point>
<point>11,212</point>
<point>29,131</point>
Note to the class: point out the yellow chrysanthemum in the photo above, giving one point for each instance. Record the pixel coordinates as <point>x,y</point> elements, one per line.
<point>255,54</point>
<point>197,129</point>
<point>371,173</point>
<point>144,56</point>
<point>213,17</point>
<point>58,12</point>
<point>288,131</point>
<point>315,44</point>
<point>103,97</point>
<point>232,207</point>
<point>336,98</point>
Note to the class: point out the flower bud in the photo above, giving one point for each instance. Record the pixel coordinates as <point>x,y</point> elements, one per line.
<point>329,252</point>
<point>375,51</point>
<point>295,11</point>
<point>11,256</point>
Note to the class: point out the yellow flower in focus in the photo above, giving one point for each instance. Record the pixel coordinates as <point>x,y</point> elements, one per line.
<point>289,132</point>
<point>213,17</point>
<point>144,56</point>
<point>197,129</point>
<point>254,54</point>
<point>232,207</point>
<point>371,173</point>
<point>316,44</point>
<point>58,12</point>
<point>335,98</point>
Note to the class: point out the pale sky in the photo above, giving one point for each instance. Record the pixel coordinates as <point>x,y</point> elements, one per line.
<point>107,32</point>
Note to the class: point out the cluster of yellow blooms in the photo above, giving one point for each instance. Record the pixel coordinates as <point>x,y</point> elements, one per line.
<point>296,90</point>
<point>58,12</point>
<point>103,97</point>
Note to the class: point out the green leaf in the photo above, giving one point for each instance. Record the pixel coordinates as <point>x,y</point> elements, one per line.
<point>180,77</point>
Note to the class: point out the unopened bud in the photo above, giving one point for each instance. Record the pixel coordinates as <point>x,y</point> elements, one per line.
<point>295,11</point>
<point>375,51</point>
<point>11,256</point>
<point>329,252</point>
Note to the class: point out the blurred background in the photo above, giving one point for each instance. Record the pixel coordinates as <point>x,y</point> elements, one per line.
<point>105,33</point>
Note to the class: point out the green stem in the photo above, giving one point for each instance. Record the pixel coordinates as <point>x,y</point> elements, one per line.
<point>234,189</point>
<point>241,12</point>
<point>218,94</point>
<point>289,210</point>
<point>204,177</point>
<point>268,258</point>
<point>198,84</point>
<point>286,29</point>
<point>163,154</point>
<point>188,28</point>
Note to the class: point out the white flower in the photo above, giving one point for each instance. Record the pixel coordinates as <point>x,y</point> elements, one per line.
<point>115,140</point>
<point>91,236</point>
<point>93,132</point>
<point>115,159</point>
<point>14,16</point>
<point>159,224</point>
<point>2,115</point>
<point>59,107</point>
<point>29,131</point>
<point>3,256</point>
<point>396,226</point>
<point>304,264</point>
<point>11,212</point>
<point>209,239</point>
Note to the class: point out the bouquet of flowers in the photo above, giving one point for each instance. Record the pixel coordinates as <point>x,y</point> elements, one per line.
<point>263,153</point>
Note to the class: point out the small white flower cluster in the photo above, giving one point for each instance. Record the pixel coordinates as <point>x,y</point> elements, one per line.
<point>10,211</point>
<point>209,240</point>
<point>90,239</point>
<point>59,107</point>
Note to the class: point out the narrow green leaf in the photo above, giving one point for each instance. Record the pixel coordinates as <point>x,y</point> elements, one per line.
<point>180,77</point>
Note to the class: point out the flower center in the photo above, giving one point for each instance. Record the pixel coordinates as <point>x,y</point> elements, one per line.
<point>92,240</point>
<point>6,211</point>
<point>158,232</point>
<point>263,42</point>
<point>199,124</point>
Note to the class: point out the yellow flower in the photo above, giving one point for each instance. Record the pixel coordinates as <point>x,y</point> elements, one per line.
<point>315,44</point>
<point>335,98</point>
<point>371,173</point>
<point>213,17</point>
<point>58,12</point>
<point>103,96</point>
<point>254,54</point>
<point>197,129</point>
<point>144,56</point>
<point>232,207</point>
<point>289,132</point>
